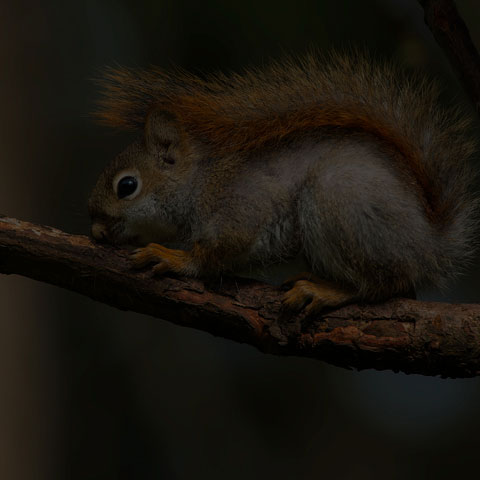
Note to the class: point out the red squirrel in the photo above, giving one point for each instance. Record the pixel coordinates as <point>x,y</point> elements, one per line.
<point>354,165</point>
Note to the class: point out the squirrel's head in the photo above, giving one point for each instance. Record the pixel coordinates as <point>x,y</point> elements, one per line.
<point>138,197</point>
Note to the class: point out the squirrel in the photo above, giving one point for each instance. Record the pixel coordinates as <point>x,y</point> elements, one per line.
<point>351,163</point>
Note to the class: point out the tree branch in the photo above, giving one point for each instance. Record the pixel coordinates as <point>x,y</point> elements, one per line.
<point>452,35</point>
<point>406,335</point>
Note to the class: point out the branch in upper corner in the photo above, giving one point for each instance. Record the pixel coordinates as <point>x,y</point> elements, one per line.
<point>452,35</point>
<point>400,335</point>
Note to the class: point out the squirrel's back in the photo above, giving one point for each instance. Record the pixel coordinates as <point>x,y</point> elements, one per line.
<point>339,95</point>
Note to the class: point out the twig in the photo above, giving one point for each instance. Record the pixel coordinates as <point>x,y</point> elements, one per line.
<point>407,335</point>
<point>452,35</point>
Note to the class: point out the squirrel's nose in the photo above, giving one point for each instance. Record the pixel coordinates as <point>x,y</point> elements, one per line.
<point>99,232</point>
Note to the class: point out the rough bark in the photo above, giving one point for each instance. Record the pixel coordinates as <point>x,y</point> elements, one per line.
<point>452,35</point>
<point>400,335</point>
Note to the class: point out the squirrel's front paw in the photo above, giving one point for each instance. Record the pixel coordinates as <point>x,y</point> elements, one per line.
<point>313,296</point>
<point>165,259</point>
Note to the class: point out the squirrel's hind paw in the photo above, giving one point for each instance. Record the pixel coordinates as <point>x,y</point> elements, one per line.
<point>165,259</point>
<point>314,296</point>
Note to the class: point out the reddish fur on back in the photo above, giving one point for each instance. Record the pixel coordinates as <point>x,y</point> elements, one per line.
<point>227,136</point>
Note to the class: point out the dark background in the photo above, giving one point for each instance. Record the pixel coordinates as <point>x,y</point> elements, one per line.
<point>89,392</point>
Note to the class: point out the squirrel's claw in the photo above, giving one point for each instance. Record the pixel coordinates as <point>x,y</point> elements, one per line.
<point>142,257</point>
<point>165,259</point>
<point>313,297</point>
<point>161,268</point>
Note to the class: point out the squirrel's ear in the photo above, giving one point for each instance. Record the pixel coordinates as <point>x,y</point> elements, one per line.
<point>161,130</point>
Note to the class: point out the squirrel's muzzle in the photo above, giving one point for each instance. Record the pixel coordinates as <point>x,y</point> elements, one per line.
<point>99,232</point>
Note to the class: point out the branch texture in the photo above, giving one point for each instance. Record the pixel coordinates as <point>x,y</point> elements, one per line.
<point>452,35</point>
<point>400,335</point>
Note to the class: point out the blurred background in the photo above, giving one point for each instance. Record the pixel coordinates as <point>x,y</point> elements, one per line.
<point>90,392</point>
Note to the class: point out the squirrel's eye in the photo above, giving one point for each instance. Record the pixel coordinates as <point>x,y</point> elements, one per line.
<point>126,186</point>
